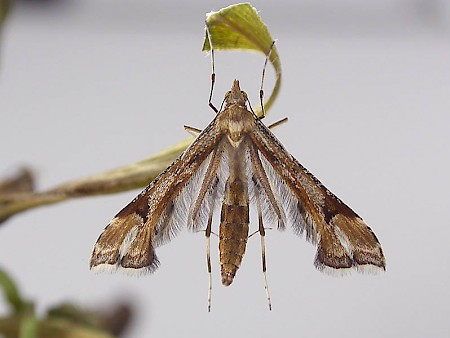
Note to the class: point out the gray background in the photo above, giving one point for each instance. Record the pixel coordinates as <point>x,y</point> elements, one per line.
<point>88,86</point>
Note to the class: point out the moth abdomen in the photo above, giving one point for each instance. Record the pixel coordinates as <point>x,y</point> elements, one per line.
<point>234,226</point>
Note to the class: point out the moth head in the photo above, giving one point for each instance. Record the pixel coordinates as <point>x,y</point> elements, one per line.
<point>236,95</point>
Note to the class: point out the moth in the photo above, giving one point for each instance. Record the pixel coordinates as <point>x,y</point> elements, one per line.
<point>234,163</point>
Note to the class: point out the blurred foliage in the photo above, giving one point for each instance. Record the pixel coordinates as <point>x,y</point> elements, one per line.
<point>21,182</point>
<point>5,6</point>
<point>125,178</point>
<point>64,321</point>
<point>234,27</point>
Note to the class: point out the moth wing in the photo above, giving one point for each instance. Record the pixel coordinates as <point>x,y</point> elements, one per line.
<point>343,239</point>
<point>157,213</point>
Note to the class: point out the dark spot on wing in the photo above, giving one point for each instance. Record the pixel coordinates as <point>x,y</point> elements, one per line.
<point>328,214</point>
<point>139,206</point>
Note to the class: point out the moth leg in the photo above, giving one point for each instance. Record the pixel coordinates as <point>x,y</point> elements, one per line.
<point>208,256</point>
<point>261,91</point>
<point>275,124</point>
<point>253,233</point>
<point>213,233</point>
<point>262,233</point>
<point>213,73</point>
<point>208,233</point>
<point>194,131</point>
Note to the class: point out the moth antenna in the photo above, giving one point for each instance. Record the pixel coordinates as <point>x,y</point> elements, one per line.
<point>251,108</point>
<point>213,73</point>
<point>261,90</point>
<point>221,106</point>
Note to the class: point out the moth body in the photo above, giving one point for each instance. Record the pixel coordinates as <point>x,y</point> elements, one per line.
<point>234,217</point>
<point>237,162</point>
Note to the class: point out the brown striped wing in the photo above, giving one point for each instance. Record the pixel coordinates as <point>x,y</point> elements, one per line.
<point>343,239</point>
<point>156,214</point>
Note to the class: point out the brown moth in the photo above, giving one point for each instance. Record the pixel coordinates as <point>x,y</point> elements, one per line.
<point>236,161</point>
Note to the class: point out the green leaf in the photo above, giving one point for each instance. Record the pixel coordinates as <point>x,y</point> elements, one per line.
<point>237,27</point>
<point>22,322</point>
<point>29,327</point>
<point>12,293</point>
<point>240,27</point>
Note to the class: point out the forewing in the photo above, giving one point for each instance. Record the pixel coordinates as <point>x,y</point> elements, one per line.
<point>343,239</point>
<point>155,215</point>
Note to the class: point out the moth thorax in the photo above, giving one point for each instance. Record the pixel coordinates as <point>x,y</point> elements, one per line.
<point>235,133</point>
